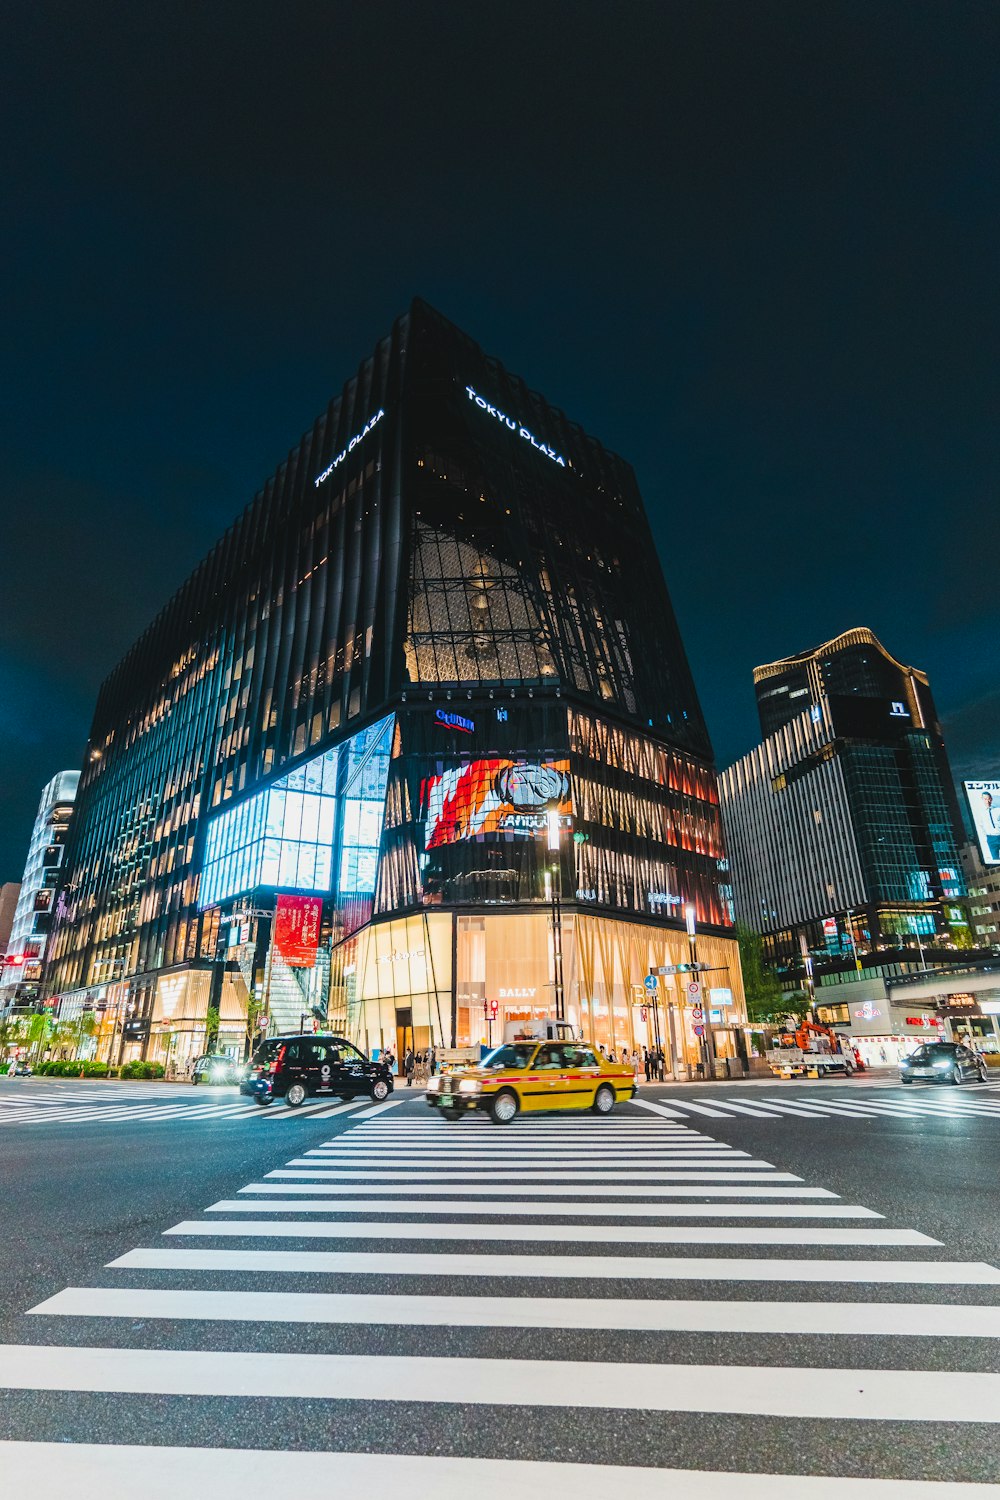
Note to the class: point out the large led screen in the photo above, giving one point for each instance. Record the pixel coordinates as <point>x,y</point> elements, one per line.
<point>984,805</point>
<point>495,796</point>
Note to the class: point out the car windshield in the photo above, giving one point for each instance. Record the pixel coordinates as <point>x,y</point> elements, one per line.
<point>513,1055</point>
<point>928,1054</point>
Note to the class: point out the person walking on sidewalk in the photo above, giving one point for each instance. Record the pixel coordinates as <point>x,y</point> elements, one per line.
<point>409,1065</point>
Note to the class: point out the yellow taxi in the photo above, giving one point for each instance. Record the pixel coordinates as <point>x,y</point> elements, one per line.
<point>531,1075</point>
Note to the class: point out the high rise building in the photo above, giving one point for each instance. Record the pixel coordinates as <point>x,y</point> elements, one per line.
<point>9,892</point>
<point>416,746</point>
<point>33,912</point>
<point>843,824</point>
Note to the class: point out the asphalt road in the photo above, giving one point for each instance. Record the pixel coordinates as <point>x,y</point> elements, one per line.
<point>788,1302</point>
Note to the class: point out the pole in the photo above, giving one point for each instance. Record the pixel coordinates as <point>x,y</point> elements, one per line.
<point>707,1041</point>
<point>555,887</point>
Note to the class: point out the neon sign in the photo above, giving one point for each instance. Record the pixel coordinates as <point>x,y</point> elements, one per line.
<point>454,721</point>
<point>355,440</point>
<point>522,432</point>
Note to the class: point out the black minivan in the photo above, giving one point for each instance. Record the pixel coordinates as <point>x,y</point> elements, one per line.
<point>293,1067</point>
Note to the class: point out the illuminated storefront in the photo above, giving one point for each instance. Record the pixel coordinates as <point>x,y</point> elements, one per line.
<point>430,681</point>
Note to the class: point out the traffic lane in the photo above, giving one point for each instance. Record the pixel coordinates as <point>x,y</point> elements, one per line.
<point>931,1173</point>
<point>75,1196</point>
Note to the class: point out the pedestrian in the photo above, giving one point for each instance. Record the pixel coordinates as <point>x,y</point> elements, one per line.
<point>635,1066</point>
<point>433,1061</point>
<point>647,1063</point>
<point>660,1065</point>
<point>409,1066</point>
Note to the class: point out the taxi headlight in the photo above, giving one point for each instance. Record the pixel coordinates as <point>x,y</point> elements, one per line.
<point>434,1084</point>
<point>470,1086</point>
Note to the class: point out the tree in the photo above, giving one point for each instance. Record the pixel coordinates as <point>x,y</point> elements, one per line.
<point>213,1019</point>
<point>255,1009</point>
<point>766,1005</point>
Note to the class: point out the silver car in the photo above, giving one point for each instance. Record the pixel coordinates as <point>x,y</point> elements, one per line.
<point>942,1062</point>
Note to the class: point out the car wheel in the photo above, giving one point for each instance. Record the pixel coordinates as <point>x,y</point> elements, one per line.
<point>956,1076</point>
<point>604,1100</point>
<point>195,1080</point>
<point>984,1074</point>
<point>450,1113</point>
<point>380,1090</point>
<point>906,1080</point>
<point>262,1099</point>
<point>296,1095</point>
<point>503,1107</point>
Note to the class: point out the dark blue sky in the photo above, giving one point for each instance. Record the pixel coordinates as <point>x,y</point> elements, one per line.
<point>751,245</point>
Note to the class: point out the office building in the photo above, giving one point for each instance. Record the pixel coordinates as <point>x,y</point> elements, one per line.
<point>416,747</point>
<point>844,821</point>
<point>33,911</point>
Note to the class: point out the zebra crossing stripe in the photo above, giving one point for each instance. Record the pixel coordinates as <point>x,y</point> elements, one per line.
<point>599,1267</point>
<point>606,1234</point>
<point>615,1174</point>
<point>514,1207</point>
<point>889,1319</point>
<point>233,1473</point>
<point>815,1394</point>
<point>487,1185</point>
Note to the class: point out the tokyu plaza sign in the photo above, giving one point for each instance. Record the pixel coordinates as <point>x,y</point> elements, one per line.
<point>522,432</point>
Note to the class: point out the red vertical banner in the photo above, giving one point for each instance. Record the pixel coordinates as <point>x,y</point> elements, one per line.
<point>296,929</point>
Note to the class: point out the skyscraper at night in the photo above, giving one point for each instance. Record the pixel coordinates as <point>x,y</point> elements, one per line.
<point>415,747</point>
<point>843,824</point>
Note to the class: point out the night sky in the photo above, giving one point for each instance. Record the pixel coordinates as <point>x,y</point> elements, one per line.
<point>752,246</point>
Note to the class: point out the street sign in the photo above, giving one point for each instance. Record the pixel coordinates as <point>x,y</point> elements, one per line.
<point>694,992</point>
<point>698,1030</point>
<point>682,969</point>
<point>698,1014</point>
<point>651,983</point>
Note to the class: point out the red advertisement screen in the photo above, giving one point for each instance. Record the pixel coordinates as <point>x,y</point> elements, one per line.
<point>296,929</point>
<point>495,796</point>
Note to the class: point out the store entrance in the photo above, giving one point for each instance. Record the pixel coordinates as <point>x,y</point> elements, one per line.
<point>404,1035</point>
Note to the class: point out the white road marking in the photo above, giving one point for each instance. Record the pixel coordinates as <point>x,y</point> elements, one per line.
<point>614,1174</point>
<point>487,1184</point>
<point>827,1272</point>
<point>565,1210</point>
<point>106,1471</point>
<point>889,1319</point>
<point>825,1394</point>
<point>619,1234</point>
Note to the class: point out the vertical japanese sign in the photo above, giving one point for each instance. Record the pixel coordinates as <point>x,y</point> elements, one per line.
<point>296,929</point>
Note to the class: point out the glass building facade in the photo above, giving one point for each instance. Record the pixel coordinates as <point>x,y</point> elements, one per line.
<point>843,824</point>
<point>438,633</point>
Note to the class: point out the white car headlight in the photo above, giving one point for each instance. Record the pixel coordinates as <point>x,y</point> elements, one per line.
<point>470,1086</point>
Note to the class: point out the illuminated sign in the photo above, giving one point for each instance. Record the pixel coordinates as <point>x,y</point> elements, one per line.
<point>496,796</point>
<point>522,432</point>
<point>454,721</point>
<point>400,955</point>
<point>358,437</point>
<point>984,804</point>
<point>898,711</point>
<point>517,994</point>
<point>296,929</point>
<point>923,1021</point>
<point>867,1011</point>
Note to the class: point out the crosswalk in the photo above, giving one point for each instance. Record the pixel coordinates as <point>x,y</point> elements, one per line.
<point>837,1102</point>
<point>565,1307</point>
<point>121,1105</point>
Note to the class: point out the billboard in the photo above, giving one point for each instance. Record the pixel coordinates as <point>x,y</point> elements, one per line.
<point>984,805</point>
<point>495,796</point>
<point>296,929</point>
